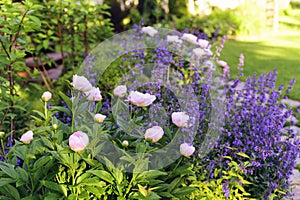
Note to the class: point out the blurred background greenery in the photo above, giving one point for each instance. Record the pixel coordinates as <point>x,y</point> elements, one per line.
<point>267,32</point>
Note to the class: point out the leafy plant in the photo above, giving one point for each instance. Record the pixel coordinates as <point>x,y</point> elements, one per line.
<point>16,21</point>
<point>226,184</point>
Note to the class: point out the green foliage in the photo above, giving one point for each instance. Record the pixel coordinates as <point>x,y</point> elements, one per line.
<point>250,19</point>
<point>73,27</point>
<point>178,8</point>
<point>16,20</point>
<point>48,169</point>
<point>247,19</point>
<point>223,20</point>
<point>227,184</point>
<point>70,27</point>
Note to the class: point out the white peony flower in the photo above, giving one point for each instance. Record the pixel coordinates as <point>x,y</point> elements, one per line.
<point>193,39</point>
<point>94,94</point>
<point>120,91</point>
<point>199,52</point>
<point>78,141</point>
<point>186,149</point>
<point>173,39</point>
<point>149,30</point>
<point>81,83</point>
<point>140,99</point>
<point>27,137</point>
<point>154,134</point>
<point>99,118</point>
<point>180,119</point>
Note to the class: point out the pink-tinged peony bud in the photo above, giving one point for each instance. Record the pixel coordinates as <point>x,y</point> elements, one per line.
<point>149,30</point>
<point>173,39</point>
<point>81,83</point>
<point>78,141</point>
<point>46,96</point>
<point>99,118</point>
<point>94,94</point>
<point>120,91</point>
<point>140,99</point>
<point>154,134</point>
<point>27,137</point>
<point>180,119</point>
<point>125,143</point>
<point>186,149</point>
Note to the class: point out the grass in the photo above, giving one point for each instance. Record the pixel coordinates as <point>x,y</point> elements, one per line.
<point>280,51</point>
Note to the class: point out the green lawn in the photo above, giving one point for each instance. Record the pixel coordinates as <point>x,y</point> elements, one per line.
<point>279,50</point>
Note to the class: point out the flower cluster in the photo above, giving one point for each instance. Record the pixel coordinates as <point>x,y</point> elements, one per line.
<point>176,93</point>
<point>79,140</point>
<point>254,122</point>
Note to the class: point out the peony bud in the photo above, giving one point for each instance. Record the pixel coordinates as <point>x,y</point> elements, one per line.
<point>46,96</point>
<point>149,30</point>
<point>94,94</point>
<point>120,91</point>
<point>1,134</point>
<point>99,118</point>
<point>81,83</point>
<point>154,134</point>
<point>186,149</point>
<point>180,119</point>
<point>78,141</point>
<point>55,126</point>
<point>140,99</point>
<point>27,137</point>
<point>125,143</point>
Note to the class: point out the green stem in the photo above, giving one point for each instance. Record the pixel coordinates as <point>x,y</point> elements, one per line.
<point>129,185</point>
<point>46,113</point>
<point>180,160</point>
<point>73,122</point>
<point>28,169</point>
<point>3,149</point>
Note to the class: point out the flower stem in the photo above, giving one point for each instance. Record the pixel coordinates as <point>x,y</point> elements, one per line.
<point>3,149</point>
<point>46,113</point>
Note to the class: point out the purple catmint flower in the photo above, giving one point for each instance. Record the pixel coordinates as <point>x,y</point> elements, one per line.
<point>226,189</point>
